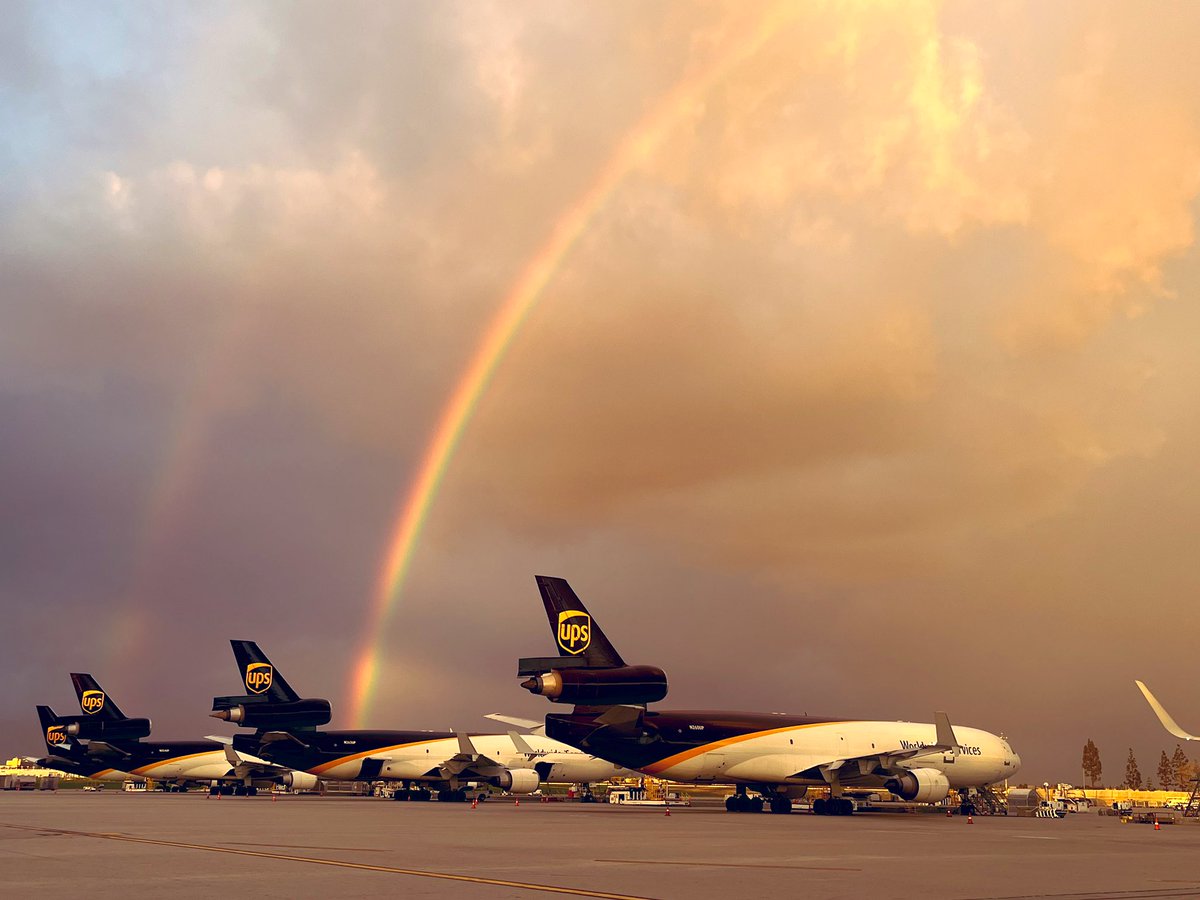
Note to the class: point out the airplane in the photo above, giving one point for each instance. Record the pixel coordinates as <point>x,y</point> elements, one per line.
<point>1163,716</point>
<point>67,753</point>
<point>778,756</point>
<point>287,732</point>
<point>106,738</point>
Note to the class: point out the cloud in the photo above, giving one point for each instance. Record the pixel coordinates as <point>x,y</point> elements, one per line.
<point>891,323</point>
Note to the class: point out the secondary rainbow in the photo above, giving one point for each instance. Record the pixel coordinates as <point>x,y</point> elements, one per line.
<point>636,147</point>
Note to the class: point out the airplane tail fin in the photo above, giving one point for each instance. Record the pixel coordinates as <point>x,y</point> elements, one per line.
<point>588,672</point>
<point>576,632</point>
<point>259,675</point>
<point>93,700</point>
<point>54,732</point>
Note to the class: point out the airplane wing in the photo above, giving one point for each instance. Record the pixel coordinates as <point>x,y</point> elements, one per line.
<point>468,762</point>
<point>885,762</point>
<point>1163,716</point>
<point>531,725</point>
<point>255,768</point>
<point>105,749</point>
<point>522,745</point>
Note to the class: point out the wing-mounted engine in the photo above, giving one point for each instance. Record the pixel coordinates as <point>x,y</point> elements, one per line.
<point>562,680</point>
<point>517,781</point>
<point>88,728</point>
<point>920,786</point>
<point>256,712</point>
<point>301,781</point>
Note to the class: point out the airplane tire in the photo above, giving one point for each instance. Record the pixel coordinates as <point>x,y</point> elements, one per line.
<point>820,806</point>
<point>251,791</point>
<point>781,805</point>
<point>756,804</point>
<point>460,796</point>
<point>733,804</point>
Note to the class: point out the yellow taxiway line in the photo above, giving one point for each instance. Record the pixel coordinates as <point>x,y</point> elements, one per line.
<point>317,860</point>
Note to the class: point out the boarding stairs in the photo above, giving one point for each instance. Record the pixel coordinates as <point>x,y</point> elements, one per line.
<point>988,802</point>
<point>1192,810</point>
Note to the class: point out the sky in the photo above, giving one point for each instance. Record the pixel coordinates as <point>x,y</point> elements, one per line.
<point>853,367</point>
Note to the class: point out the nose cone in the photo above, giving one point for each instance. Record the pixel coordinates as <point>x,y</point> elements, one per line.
<point>1014,763</point>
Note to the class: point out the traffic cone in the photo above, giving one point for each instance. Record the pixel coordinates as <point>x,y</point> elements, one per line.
<point>1156,825</point>
<point>517,802</point>
<point>948,813</point>
<point>970,820</point>
<point>475,803</point>
<point>668,812</point>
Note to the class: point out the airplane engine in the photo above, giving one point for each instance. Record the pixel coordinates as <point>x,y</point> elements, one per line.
<point>600,687</point>
<point>301,781</point>
<point>107,729</point>
<point>518,781</point>
<point>289,714</point>
<point>920,786</point>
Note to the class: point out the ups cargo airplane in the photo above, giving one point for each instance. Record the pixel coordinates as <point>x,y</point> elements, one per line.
<point>106,744</point>
<point>777,756</point>
<point>287,734</point>
<point>1165,717</point>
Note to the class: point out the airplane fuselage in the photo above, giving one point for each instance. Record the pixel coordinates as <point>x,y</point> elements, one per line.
<point>749,748</point>
<point>418,756</point>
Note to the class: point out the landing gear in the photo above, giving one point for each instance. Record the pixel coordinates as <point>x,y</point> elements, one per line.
<point>743,802</point>
<point>781,804</point>
<point>458,796</point>
<point>834,806</point>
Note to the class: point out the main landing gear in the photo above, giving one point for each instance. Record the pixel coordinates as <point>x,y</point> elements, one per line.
<point>411,794</point>
<point>458,796</point>
<point>834,806</point>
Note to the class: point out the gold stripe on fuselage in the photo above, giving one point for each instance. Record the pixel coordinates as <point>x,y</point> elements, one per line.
<point>668,762</point>
<point>170,760</point>
<point>342,760</point>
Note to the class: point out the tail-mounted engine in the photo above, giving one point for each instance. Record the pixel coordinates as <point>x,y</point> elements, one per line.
<point>89,728</point>
<point>920,786</point>
<point>253,712</point>
<point>557,679</point>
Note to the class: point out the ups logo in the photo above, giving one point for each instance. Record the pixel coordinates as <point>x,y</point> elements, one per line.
<point>259,677</point>
<point>56,735</point>
<point>574,631</point>
<point>92,702</point>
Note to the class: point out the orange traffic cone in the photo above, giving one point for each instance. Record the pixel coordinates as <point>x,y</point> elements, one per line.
<point>475,803</point>
<point>970,820</point>
<point>1156,825</point>
<point>517,802</point>
<point>668,812</point>
<point>948,813</point>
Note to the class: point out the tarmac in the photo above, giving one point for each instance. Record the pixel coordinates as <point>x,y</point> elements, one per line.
<point>189,845</point>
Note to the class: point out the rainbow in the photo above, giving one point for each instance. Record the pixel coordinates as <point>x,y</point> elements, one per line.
<point>634,149</point>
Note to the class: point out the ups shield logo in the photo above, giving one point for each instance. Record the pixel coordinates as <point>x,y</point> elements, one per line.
<point>574,631</point>
<point>92,702</point>
<point>56,735</point>
<point>259,677</point>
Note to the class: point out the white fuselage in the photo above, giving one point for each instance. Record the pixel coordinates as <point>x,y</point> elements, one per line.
<point>417,760</point>
<point>780,755</point>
